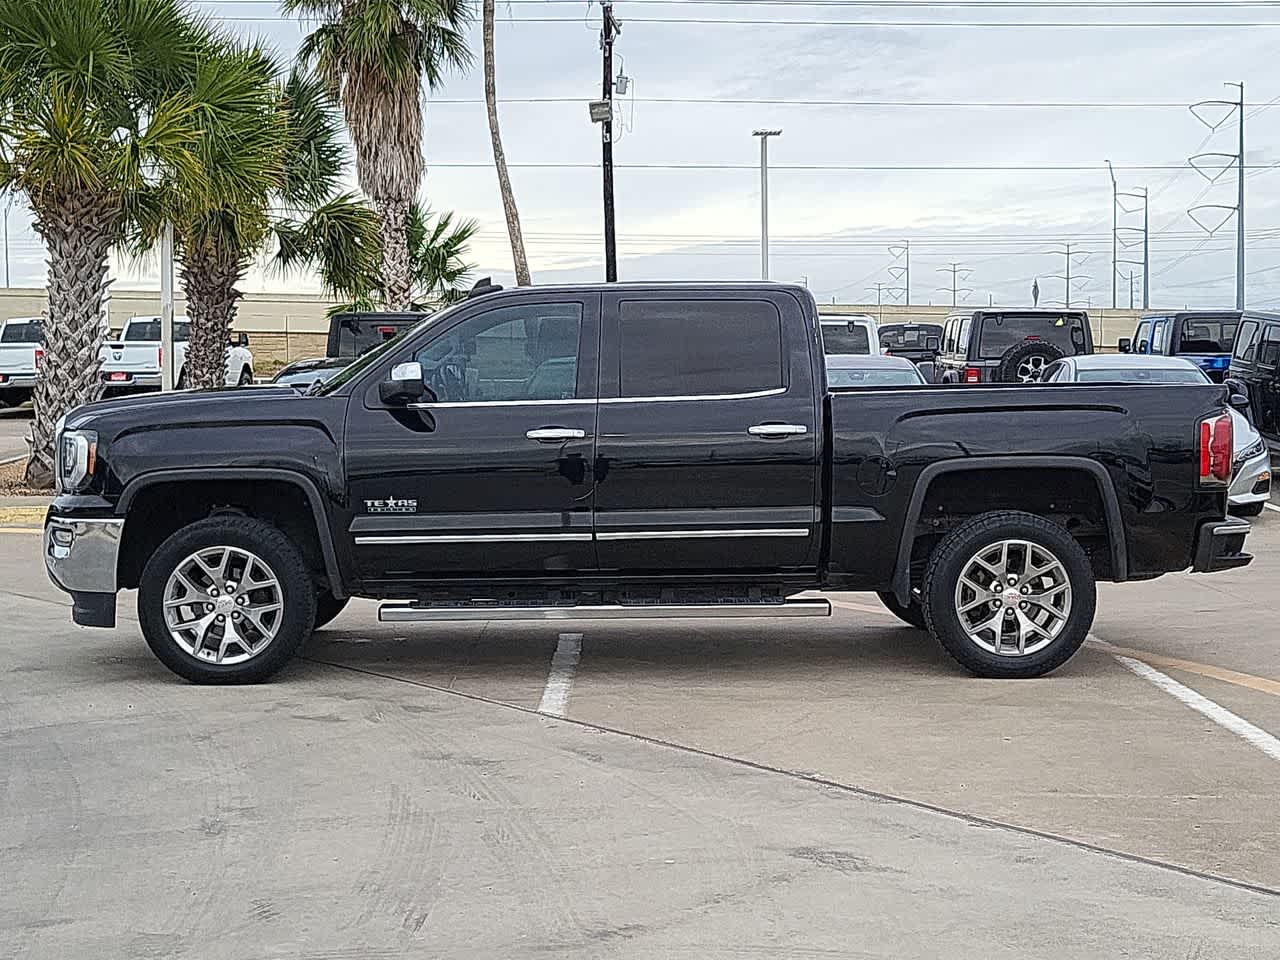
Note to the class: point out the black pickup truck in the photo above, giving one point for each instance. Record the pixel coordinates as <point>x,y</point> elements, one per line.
<point>631,450</point>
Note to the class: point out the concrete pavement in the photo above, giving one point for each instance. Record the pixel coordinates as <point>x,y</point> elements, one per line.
<point>15,425</point>
<point>349,811</point>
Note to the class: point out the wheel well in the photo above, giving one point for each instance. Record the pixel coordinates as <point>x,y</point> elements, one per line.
<point>1072,498</point>
<point>160,510</point>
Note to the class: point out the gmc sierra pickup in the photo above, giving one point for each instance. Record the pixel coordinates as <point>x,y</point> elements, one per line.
<point>631,450</point>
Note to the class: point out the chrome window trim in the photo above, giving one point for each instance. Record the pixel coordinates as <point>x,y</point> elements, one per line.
<point>431,405</point>
<point>704,534</point>
<point>773,392</point>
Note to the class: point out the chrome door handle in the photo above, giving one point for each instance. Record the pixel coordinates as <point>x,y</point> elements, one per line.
<point>773,430</point>
<point>555,434</point>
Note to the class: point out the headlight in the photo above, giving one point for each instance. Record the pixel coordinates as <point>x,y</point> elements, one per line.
<point>1253,450</point>
<point>77,456</point>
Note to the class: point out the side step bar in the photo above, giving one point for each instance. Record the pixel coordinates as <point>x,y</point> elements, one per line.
<point>412,612</point>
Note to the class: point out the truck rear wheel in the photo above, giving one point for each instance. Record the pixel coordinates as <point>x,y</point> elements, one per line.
<point>912,613</point>
<point>226,600</point>
<point>1009,595</point>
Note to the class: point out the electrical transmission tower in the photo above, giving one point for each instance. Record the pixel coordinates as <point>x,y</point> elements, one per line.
<point>1124,236</point>
<point>1070,257</point>
<point>900,269</point>
<point>1212,217</point>
<point>958,273</point>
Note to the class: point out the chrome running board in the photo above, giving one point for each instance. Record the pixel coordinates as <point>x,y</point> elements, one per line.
<point>417,613</point>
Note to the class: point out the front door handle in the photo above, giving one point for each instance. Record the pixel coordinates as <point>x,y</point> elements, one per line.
<point>772,431</point>
<point>555,434</point>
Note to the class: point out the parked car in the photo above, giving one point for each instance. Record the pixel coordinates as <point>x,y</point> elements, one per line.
<point>21,350</point>
<point>1205,337</point>
<point>871,371</point>
<point>849,334</point>
<point>1255,362</point>
<point>305,374</point>
<point>131,363</point>
<point>630,450</point>
<point>1251,457</point>
<point>1009,346</point>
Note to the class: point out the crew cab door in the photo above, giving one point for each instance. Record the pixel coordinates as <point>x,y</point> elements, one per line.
<point>709,434</point>
<point>494,475</point>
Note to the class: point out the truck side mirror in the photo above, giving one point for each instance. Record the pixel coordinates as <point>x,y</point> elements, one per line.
<point>242,340</point>
<point>1238,394</point>
<point>1126,345</point>
<point>405,385</point>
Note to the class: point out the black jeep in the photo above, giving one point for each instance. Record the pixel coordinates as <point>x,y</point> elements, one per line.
<point>1009,346</point>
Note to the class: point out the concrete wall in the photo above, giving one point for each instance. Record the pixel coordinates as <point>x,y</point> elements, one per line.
<point>288,326</point>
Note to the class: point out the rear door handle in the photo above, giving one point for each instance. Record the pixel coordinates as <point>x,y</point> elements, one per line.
<point>774,430</point>
<point>555,434</point>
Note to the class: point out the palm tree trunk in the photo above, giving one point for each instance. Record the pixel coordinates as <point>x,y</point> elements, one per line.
<point>210,282</point>
<point>79,230</point>
<point>397,278</point>
<point>500,157</point>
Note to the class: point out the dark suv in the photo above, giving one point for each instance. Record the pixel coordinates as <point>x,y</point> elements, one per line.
<point>1256,363</point>
<point>1205,337</point>
<point>1009,346</point>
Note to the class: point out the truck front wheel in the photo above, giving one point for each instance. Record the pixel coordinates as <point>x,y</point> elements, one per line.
<point>1009,595</point>
<point>226,600</point>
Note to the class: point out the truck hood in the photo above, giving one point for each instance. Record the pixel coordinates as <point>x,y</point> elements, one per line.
<point>190,406</point>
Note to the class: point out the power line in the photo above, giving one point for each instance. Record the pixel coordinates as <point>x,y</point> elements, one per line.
<point>786,102</point>
<point>863,167</point>
<point>755,22</point>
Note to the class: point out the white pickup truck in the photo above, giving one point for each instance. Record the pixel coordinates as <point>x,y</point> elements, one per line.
<point>21,349</point>
<point>131,364</point>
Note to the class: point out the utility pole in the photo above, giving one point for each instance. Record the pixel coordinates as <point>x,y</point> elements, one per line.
<point>1068,294</point>
<point>166,306</point>
<point>1115,231</point>
<point>8,203</point>
<point>1130,289</point>
<point>1240,208</point>
<point>764,136</point>
<point>955,270</point>
<point>608,31</point>
<point>1146,249</point>
<point>879,302</point>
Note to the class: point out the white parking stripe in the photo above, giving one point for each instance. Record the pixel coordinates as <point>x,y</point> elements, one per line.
<point>555,698</point>
<point>1272,506</point>
<point>1218,714</point>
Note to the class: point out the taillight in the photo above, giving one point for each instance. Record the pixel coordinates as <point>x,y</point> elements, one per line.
<point>972,375</point>
<point>1215,451</point>
<point>160,356</point>
<point>39,357</point>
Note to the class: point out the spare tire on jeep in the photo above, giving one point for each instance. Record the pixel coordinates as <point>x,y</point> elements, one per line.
<point>1024,362</point>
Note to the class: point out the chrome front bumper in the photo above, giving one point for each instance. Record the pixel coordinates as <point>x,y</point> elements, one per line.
<point>81,555</point>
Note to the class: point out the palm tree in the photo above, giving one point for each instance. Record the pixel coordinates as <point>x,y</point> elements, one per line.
<point>282,143</point>
<point>375,55</point>
<point>437,265</point>
<point>98,104</point>
<point>499,156</point>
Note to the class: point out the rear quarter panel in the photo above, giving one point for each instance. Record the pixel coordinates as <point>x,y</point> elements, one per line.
<point>1143,436</point>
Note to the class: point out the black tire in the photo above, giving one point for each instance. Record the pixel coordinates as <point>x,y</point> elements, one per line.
<point>327,607</point>
<point>246,378</point>
<point>1248,509</point>
<point>1039,353</point>
<point>276,550</point>
<point>947,565</point>
<point>912,613</point>
<point>182,380</point>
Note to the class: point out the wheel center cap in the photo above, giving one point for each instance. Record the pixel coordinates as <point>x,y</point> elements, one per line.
<point>224,605</point>
<point>1011,598</point>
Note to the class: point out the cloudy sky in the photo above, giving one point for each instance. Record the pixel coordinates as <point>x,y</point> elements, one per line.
<point>1040,93</point>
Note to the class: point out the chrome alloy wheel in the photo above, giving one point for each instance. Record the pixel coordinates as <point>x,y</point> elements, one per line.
<point>223,605</point>
<point>1031,368</point>
<point>1013,598</point>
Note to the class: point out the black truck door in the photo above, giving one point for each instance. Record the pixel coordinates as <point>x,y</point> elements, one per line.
<point>1267,373</point>
<point>495,475</point>
<point>708,448</point>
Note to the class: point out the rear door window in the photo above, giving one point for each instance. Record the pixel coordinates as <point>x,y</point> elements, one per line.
<point>1269,351</point>
<point>1246,347</point>
<point>699,348</point>
<point>845,338</point>
<point>962,338</point>
<point>1001,332</point>
<point>1216,335</point>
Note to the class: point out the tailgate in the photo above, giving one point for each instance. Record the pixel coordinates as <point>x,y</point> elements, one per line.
<point>140,357</point>
<point>17,358</point>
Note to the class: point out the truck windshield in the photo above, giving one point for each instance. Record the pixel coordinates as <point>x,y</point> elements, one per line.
<point>1005,330</point>
<point>845,338</point>
<point>148,331</point>
<point>22,333</point>
<point>1208,336</point>
<point>908,336</point>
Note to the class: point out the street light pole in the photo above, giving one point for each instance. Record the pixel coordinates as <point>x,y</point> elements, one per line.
<point>764,136</point>
<point>166,307</point>
<point>607,34</point>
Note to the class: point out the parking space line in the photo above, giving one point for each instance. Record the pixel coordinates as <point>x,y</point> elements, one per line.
<point>555,698</point>
<point>23,530</point>
<point>1219,714</point>
<point>1235,677</point>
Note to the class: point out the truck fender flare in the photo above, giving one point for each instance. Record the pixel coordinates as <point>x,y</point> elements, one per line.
<point>323,531</point>
<point>1106,487</point>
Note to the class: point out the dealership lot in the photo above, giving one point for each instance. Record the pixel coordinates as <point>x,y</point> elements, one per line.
<point>719,789</point>
<point>15,426</point>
